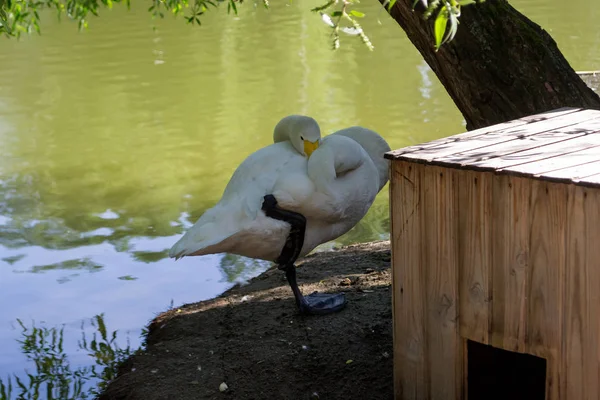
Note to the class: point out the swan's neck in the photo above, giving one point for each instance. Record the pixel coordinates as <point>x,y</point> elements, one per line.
<point>374,145</point>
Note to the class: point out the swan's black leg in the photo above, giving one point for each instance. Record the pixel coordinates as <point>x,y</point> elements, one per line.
<point>315,303</point>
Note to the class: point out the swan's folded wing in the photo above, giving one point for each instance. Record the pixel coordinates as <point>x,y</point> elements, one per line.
<point>240,205</point>
<point>213,227</point>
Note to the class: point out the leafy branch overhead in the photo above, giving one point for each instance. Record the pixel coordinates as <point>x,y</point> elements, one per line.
<point>345,14</point>
<point>22,16</point>
<point>445,24</point>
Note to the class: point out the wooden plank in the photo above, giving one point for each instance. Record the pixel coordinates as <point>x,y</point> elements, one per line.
<point>580,366</point>
<point>592,281</point>
<point>575,172</point>
<point>484,150</point>
<point>543,167</point>
<point>573,147</point>
<point>592,180</point>
<point>481,131</point>
<point>438,256</point>
<point>437,153</point>
<point>411,374</point>
<point>511,216</point>
<point>547,279</point>
<point>474,253</point>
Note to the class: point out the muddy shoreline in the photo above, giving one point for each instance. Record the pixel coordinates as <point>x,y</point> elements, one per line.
<point>252,339</point>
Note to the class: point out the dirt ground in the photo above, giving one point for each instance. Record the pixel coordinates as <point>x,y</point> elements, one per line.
<point>253,339</point>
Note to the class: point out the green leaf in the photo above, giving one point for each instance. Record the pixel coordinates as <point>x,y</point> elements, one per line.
<point>466,2</point>
<point>357,14</point>
<point>336,13</point>
<point>440,27</point>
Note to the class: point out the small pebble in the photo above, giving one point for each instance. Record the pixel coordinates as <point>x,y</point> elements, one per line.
<point>154,371</point>
<point>223,387</point>
<point>346,282</point>
<point>315,395</point>
<point>199,368</point>
<point>304,347</point>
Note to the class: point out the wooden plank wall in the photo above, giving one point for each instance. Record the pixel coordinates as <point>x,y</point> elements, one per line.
<point>507,261</point>
<point>427,349</point>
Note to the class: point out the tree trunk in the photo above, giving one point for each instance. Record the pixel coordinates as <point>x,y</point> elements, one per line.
<point>500,65</point>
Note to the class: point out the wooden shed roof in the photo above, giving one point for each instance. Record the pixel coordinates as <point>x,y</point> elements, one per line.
<point>560,145</point>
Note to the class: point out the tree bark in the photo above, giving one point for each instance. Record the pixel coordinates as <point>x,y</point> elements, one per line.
<point>500,65</point>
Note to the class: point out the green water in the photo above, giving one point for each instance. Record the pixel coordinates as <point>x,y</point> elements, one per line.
<point>113,140</point>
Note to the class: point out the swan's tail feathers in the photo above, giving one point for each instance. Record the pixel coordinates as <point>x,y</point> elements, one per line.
<point>210,233</point>
<point>200,240</point>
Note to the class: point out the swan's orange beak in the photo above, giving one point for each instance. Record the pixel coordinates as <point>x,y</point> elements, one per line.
<point>309,147</point>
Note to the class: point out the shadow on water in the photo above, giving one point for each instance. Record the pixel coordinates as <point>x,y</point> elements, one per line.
<point>54,375</point>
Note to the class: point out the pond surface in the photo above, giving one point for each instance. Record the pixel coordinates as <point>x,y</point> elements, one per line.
<point>113,140</point>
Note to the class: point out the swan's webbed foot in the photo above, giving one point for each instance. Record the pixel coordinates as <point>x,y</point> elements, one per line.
<point>324,303</point>
<point>315,303</point>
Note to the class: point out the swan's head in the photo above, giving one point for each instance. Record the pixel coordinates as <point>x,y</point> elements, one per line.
<point>302,131</point>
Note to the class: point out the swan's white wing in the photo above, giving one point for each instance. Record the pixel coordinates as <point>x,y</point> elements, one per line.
<point>237,224</point>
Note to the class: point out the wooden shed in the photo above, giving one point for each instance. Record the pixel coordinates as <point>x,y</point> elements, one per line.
<point>496,261</point>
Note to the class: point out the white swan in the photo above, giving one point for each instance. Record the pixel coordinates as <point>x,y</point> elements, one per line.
<point>291,196</point>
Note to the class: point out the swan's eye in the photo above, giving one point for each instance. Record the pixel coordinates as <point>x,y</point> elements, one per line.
<point>301,138</point>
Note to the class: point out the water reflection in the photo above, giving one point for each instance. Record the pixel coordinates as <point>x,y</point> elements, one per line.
<point>238,269</point>
<point>84,264</point>
<point>54,375</point>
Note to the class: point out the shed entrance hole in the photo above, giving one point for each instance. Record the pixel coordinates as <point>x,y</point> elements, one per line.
<point>497,374</point>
